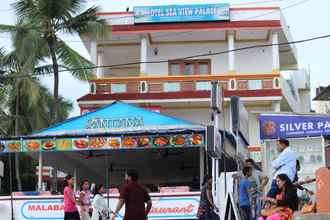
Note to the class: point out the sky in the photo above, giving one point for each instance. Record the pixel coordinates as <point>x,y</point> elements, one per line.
<point>306,19</point>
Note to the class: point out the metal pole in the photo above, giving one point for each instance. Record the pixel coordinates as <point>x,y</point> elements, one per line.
<point>40,173</point>
<point>216,128</point>
<point>201,165</point>
<point>11,186</point>
<point>213,179</point>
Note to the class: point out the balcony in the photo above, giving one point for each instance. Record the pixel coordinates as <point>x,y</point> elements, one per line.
<point>167,84</point>
<point>182,88</point>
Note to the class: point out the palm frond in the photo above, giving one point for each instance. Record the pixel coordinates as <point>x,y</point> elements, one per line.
<point>86,22</point>
<point>25,9</point>
<point>80,67</point>
<point>8,61</point>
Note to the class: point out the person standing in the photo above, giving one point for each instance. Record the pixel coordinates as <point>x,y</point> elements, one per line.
<point>258,183</point>
<point>244,191</point>
<point>100,209</point>
<point>70,208</point>
<point>84,200</point>
<point>135,197</point>
<point>206,203</point>
<point>285,163</point>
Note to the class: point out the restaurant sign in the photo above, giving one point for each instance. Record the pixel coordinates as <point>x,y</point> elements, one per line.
<point>181,13</point>
<point>178,207</point>
<point>293,126</point>
<point>129,122</point>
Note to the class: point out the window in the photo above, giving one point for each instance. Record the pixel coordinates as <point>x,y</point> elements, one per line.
<point>118,88</point>
<point>204,68</point>
<point>203,86</point>
<point>171,87</point>
<point>189,67</point>
<point>175,68</point>
<point>255,84</point>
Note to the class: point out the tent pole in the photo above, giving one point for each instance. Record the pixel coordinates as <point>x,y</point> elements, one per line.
<point>11,186</point>
<point>40,173</point>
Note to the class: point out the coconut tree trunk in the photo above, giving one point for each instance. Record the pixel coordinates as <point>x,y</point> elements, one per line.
<point>54,110</point>
<point>17,105</point>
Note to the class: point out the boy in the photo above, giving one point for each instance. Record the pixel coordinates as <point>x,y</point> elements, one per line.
<point>244,199</point>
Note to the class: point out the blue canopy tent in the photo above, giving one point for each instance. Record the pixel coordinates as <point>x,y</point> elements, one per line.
<point>118,127</point>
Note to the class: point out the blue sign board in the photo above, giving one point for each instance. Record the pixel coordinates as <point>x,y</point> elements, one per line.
<point>181,13</point>
<point>293,126</point>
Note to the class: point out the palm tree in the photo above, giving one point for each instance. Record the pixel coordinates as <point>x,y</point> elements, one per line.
<point>25,102</point>
<point>26,108</point>
<point>48,18</point>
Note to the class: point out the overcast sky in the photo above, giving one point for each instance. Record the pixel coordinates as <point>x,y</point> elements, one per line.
<point>306,18</point>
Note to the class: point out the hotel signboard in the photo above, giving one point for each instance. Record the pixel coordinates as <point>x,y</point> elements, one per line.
<point>181,13</point>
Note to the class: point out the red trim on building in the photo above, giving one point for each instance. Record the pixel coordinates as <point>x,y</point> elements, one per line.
<point>179,95</point>
<point>214,25</point>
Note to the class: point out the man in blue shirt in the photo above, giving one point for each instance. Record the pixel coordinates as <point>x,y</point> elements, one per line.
<point>244,198</point>
<point>285,163</point>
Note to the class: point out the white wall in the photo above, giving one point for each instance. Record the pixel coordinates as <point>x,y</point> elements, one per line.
<point>258,60</point>
<point>219,63</point>
<point>305,101</point>
<point>199,116</point>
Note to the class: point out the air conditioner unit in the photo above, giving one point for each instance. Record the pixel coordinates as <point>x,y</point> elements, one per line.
<point>143,87</point>
<point>92,88</point>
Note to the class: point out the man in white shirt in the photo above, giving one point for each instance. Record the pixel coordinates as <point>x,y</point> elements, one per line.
<point>285,163</point>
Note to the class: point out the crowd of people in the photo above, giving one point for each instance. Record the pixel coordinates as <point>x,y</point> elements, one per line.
<point>280,201</point>
<point>136,199</point>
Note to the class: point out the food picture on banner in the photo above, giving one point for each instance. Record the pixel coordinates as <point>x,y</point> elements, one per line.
<point>32,145</point>
<point>14,146</point>
<point>145,142</point>
<point>196,139</point>
<point>97,142</point>
<point>129,142</point>
<point>48,145</point>
<point>114,142</point>
<point>161,141</point>
<point>81,143</point>
<point>178,140</point>
<point>64,144</point>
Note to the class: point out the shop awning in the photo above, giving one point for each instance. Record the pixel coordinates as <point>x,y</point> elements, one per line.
<point>115,126</point>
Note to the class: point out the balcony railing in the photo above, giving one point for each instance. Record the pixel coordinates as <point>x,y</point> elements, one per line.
<point>160,84</point>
